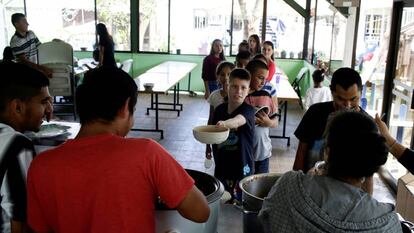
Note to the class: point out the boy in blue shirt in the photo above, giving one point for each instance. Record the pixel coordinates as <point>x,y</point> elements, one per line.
<point>234,157</point>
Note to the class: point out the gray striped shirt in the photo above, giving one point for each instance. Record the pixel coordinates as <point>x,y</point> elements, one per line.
<point>25,45</point>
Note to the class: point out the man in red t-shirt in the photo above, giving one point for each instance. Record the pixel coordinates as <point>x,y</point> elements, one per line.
<point>101,181</point>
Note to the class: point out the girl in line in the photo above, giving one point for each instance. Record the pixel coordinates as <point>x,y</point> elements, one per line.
<point>267,51</point>
<point>209,67</point>
<point>254,45</point>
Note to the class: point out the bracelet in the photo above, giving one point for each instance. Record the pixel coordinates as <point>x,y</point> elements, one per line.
<point>393,144</point>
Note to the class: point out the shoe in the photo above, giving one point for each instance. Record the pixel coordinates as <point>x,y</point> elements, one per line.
<point>208,163</point>
<point>226,197</point>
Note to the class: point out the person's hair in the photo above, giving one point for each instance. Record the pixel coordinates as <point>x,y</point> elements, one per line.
<point>16,17</point>
<point>261,58</point>
<point>257,39</point>
<point>242,44</point>
<point>19,81</point>
<point>355,148</point>
<point>222,57</point>
<point>243,55</point>
<point>8,54</point>
<point>240,73</point>
<point>103,93</point>
<point>269,43</point>
<point>254,65</point>
<point>223,65</point>
<point>104,37</point>
<point>345,77</point>
<point>318,76</point>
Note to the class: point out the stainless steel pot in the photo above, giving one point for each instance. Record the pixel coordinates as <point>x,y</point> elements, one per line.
<point>169,220</point>
<point>255,188</point>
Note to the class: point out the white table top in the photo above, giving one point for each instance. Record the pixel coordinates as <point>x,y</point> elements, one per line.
<point>284,89</point>
<point>173,67</point>
<point>162,81</point>
<point>164,76</point>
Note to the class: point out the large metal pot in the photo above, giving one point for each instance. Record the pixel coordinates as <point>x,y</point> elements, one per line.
<point>255,188</point>
<point>169,220</point>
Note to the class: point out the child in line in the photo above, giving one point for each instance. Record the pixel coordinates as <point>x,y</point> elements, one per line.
<point>242,58</point>
<point>218,97</point>
<point>268,86</point>
<point>254,45</point>
<point>258,98</point>
<point>209,67</point>
<point>243,46</point>
<point>318,93</point>
<point>267,51</point>
<point>234,157</point>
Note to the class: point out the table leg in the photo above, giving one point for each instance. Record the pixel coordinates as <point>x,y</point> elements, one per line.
<point>284,125</point>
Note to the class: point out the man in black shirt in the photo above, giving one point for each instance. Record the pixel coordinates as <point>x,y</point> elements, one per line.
<point>346,88</point>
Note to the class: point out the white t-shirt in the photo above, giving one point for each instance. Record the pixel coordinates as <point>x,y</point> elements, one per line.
<point>215,98</point>
<point>317,95</point>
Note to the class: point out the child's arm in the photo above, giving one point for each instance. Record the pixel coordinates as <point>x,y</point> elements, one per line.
<point>210,121</point>
<point>262,119</point>
<point>232,123</point>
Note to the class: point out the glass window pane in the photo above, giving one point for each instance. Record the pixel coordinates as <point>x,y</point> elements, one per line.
<point>372,48</point>
<point>71,21</point>
<point>153,25</point>
<point>302,3</point>
<point>284,27</point>
<point>338,37</point>
<point>9,7</point>
<point>115,14</point>
<point>311,31</point>
<point>402,117</point>
<point>247,20</point>
<point>323,34</point>
<point>195,24</point>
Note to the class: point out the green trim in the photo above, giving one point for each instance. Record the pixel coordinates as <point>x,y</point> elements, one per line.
<point>296,7</point>
<point>144,61</point>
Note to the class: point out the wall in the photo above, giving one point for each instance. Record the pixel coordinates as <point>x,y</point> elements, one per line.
<point>144,61</point>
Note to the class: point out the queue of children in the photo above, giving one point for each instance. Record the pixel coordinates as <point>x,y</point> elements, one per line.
<point>242,88</point>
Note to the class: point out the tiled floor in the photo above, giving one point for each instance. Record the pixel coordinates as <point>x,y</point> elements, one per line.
<point>179,141</point>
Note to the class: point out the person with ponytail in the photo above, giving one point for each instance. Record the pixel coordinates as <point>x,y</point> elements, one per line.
<point>106,46</point>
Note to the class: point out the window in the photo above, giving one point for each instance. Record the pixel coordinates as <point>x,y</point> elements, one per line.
<point>323,34</point>
<point>9,7</point>
<point>284,27</point>
<point>153,25</point>
<point>71,21</point>
<point>338,38</point>
<point>115,14</point>
<point>250,13</point>
<point>195,24</point>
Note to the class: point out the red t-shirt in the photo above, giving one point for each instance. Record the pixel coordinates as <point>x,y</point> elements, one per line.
<point>210,63</point>
<point>272,69</point>
<point>103,183</point>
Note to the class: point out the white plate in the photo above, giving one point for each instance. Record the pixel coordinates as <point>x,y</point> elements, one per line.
<point>51,130</point>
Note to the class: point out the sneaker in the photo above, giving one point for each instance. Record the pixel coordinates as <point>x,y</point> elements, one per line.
<point>226,197</point>
<point>208,163</point>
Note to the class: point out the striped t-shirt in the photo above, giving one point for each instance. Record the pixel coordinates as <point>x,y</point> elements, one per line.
<point>16,153</point>
<point>26,45</point>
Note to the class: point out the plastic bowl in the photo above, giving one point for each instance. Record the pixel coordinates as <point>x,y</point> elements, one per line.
<point>210,134</point>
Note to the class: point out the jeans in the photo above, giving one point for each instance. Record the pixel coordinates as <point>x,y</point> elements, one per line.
<point>213,85</point>
<point>261,166</point>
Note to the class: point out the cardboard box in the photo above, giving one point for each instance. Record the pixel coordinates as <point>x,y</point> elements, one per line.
<point>347,3</point>
<point>405,197</point>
